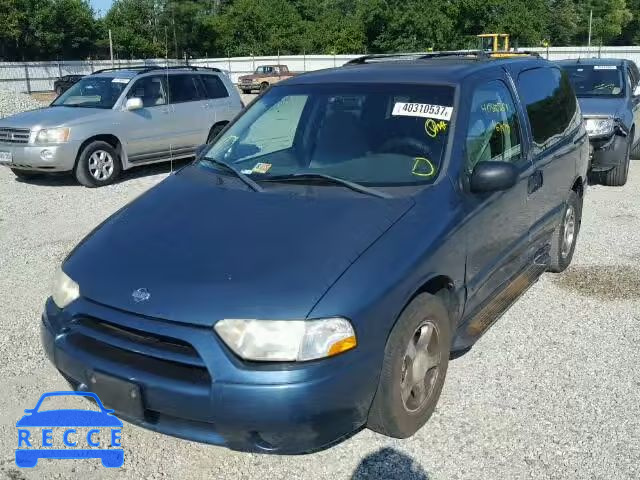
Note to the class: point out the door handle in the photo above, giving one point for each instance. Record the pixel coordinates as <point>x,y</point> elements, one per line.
<point>165,110</point>
<point>535,181</point>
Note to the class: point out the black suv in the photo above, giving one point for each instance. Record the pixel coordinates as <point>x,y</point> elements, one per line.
<point>609,97</point>
<point>64,83</point>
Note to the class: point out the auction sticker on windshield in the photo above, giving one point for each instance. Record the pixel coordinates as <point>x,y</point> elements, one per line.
<point>605,67</point>
<point>425,110</point>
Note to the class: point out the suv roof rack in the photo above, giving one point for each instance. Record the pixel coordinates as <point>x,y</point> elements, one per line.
<point>149,68</point>
<point>478,54</point>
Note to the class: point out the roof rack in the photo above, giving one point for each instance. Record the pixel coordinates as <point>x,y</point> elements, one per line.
<point>479,54</point>
<point>381,57</point>
<point>149,68</point>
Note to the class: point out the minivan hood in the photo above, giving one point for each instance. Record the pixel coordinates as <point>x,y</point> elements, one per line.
<point>49,117</point>
<point>206,248</point>
<point>601,106</point>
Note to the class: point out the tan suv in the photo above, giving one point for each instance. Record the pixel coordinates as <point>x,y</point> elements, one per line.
<point>264,76</point>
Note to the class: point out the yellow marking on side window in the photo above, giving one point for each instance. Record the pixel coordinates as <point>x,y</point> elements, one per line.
<point>422,167</point>
<point>433,128</point>
<point>496,107</point>
<point>503,128</point>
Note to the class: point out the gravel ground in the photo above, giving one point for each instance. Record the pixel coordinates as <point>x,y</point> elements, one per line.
<point>13,102</point>
<point>550,392</point>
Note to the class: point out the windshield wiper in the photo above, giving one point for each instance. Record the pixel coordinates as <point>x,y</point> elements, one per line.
<point>322,176</point>
<point>254,186</point>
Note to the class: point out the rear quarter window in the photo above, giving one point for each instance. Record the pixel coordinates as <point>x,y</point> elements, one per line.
<point>550,103</point>
<point>214,87</point>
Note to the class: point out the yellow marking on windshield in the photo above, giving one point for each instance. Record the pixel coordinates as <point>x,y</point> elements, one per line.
<point>433,128</point>
<point>422,167</point>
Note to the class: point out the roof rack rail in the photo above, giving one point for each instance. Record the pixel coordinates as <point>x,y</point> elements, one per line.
<point>416,56</point>
<point>480,54</point>
<point>149,68</point>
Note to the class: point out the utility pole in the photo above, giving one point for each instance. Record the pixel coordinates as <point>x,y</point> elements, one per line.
<point>111,47</point>
<point>590,23</point>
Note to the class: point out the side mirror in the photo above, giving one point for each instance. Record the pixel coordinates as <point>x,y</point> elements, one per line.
<point>133,103</point>
<point>200,149</point>
<point>493,177</point>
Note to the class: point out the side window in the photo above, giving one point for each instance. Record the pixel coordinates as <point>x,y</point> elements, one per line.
<point>151,90</point>
<point>274,130</point>
<point>550,102</point>
<point>183,88</point>
<point>494,130</point>
<point>213,87</point>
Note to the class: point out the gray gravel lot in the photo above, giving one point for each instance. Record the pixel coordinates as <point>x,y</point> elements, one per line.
<point>551,392</point>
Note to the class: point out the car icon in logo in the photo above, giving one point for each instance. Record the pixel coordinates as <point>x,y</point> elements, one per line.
<point>141,295</point>
<point>28,453</point>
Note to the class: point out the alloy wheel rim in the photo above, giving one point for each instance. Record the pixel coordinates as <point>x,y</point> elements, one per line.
<point>101,165</point>
<point>420,366</point>
<point>569,231</point>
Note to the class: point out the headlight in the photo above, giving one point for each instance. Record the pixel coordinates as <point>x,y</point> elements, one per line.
<point>53,135</point>
<point>599,126</point>
<point>287,340</point>
<point>65,290</point>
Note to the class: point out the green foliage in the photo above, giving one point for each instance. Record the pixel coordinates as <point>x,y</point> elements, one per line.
<point>50,29</point>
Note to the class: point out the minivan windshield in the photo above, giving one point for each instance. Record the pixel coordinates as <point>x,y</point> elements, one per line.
<point>596,80</point>
<point>93,92</point>
<point>369,134</point>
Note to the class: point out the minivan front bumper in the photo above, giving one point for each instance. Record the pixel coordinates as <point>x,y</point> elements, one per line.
<point>193,387</point>
<point>41,158</point>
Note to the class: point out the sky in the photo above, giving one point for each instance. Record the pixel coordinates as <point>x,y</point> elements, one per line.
<point>101,6</point>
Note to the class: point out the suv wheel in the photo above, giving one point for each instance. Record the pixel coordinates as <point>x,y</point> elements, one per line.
<point>563,242</point>
<point>98,165</point>
<point>58,91</point>
<point>617,177</point>
<point>214,132</point>
<point>263,86</point>
<point>245,91</point>
<point>415,364</point>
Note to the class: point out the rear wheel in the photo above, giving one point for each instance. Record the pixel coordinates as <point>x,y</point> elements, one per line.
<point>563,242</point>
<point>414,368</point>
<point>98,165</point>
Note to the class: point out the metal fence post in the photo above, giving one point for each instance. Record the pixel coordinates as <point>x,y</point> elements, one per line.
<point>26,77</point>
<point>59,68</point>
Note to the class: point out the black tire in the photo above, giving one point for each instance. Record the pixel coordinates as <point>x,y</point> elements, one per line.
<point>246,92</point>
<point>390,414</point>
<point>635,152</point>
<point>617,177</point>
<point>24,174</point>
<point>59,91</point>
<point>263,86</point>
<point>83,171</point>
<point>215,131</point>
<point>561,256</point>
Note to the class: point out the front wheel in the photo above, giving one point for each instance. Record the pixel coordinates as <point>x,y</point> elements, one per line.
<point>245,91</point>
<point>415,365</point>
<point>98,165</point>
<point>617,177</point>
<point>563,242</point>
<point>263,86</point>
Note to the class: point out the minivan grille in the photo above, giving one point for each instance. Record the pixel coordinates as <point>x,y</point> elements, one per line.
<point>14,135</point>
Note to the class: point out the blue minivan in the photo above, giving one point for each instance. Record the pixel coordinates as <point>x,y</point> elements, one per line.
<point>312,272</point>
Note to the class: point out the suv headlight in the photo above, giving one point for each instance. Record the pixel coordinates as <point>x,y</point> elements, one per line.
<point>65,290</point>
<point>53,135</point>
<point>599,126</point>
<point>287,340</point>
